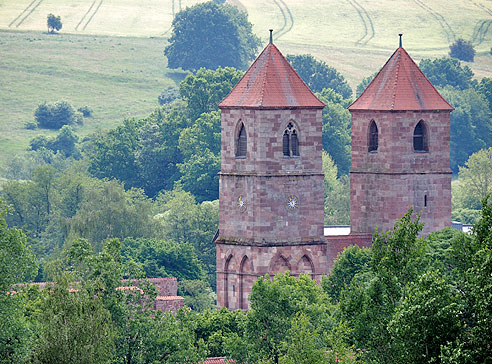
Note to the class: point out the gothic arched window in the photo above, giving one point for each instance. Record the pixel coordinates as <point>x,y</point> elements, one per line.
<point>290,142</point>
<point>241,142</point>
<point>373,137</point>
<point>420,138</point>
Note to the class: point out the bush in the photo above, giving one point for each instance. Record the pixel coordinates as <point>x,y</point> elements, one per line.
<point>31,125</point>
<point>55,115</point>
<point>86,111</point>
<point>168,95</point>
<point>463,50</point>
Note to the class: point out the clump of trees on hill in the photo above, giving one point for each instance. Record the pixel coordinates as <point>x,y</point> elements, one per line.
<point>54,23</point>
<point>211,35</point>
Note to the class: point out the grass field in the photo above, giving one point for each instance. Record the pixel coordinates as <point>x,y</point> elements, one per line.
<point>108,55</point>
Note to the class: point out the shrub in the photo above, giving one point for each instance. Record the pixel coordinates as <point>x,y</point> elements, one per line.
<point>55,115</point>
<point>168,95</point>
<point>463,50</point>
<point>86,111</point>
<point>31,125</point>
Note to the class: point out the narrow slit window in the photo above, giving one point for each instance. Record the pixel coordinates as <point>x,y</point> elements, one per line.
<point>242,142</point>
<point>295,144</point>
<point>425,200</point>
<point>286,144</point>
<point>373,137</point>
<point>420,138</point>
<point>290,142</point>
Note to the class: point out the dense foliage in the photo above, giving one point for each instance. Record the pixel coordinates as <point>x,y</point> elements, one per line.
<point>318,75</point>
<point>54,23</point>
<point>211,35</point>
<point>462,50</point>
<point>55,115</point>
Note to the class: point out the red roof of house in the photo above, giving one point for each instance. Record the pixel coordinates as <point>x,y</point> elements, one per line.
<point>271,83</point>
<point>400,86</point>
<point>221,360</point>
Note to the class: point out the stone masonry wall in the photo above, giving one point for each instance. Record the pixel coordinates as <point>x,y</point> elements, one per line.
<point>239,266</point>
<point>386,183</point>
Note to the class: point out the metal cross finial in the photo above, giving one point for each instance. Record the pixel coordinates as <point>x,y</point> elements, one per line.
<point>271,35</point>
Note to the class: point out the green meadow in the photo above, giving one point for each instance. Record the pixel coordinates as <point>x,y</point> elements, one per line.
<point>109,57</point>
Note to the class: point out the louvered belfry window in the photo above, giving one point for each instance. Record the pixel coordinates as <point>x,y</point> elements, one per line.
<point>242,142</point>
<point>290,142</point>
<point>420,138</point>
<point>373,137</point>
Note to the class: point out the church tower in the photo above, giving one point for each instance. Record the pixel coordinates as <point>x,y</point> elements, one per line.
<point>271,180</point>
<point>400,150</point>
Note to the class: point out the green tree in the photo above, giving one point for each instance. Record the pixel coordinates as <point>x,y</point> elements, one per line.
<point>54,23</point>
<point>211,35</point>
<point>18,264</point>
<point>475,180</point>
<point>443,72</point>
<point>364,83</point>
<point>75,327</point>
<point>112,154</point>
<point>462,50</point>
<point>350,262</point>
<point>426,318</point>
<point>274,303</point>
<point>473,263</point>
<point>318,75</point>
<point>204,89</point>
<point>485,88</point>
<point>64,142</point>
<point>336,129</point>
<point>471,129</point>
<point>55,115</point>
<point>337,194</point>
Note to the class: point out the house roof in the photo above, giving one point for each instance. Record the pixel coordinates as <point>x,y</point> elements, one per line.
<point>218,360</point>
<point>271,83</point>
<point>400,86</point>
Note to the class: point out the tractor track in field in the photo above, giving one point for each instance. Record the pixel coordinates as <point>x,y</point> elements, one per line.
<point>482,26</point>
<point>85,15</point>
<point>93,14</point>
<point>287,16</point>
<point>173,12</point>
<point>29,10</point>
<point>366,22</point>
<point>448,31</point>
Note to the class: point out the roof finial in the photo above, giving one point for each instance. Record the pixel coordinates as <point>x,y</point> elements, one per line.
<point>401,34</point>
<point>271,36</point>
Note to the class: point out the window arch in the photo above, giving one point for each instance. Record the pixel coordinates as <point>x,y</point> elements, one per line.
<point>420,138</point>
<point>241,142</point>
<point>373,138</point>
<point>290,141</point>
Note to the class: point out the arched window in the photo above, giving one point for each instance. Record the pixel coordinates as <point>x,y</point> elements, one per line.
<point>373,137</point>
<point>420,138</point>
<point>242,142</point>
<point>290,142</point>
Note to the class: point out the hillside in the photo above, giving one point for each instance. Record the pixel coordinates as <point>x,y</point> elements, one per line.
<point>108,55</point>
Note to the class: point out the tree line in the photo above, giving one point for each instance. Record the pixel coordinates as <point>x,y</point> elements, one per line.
<point>406,299</point>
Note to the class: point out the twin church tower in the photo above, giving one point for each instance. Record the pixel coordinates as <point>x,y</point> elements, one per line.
<point>271,179</point>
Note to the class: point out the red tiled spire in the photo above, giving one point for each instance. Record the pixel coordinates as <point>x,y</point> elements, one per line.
<point>400,86</point>
<point>271,83</point>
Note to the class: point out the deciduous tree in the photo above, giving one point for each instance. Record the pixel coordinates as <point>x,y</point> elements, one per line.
<point>211,35</point>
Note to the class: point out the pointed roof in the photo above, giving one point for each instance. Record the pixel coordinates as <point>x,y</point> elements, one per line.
<point>271,83</point>
<point>400,86</point>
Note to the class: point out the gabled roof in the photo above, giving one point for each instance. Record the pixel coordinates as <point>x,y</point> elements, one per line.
<point>271,83</point>
<point>400,86</point>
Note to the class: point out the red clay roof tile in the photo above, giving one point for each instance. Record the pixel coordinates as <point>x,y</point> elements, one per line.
<point>271,83</point>
<point>400,86</point>
<point>221,360</point>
